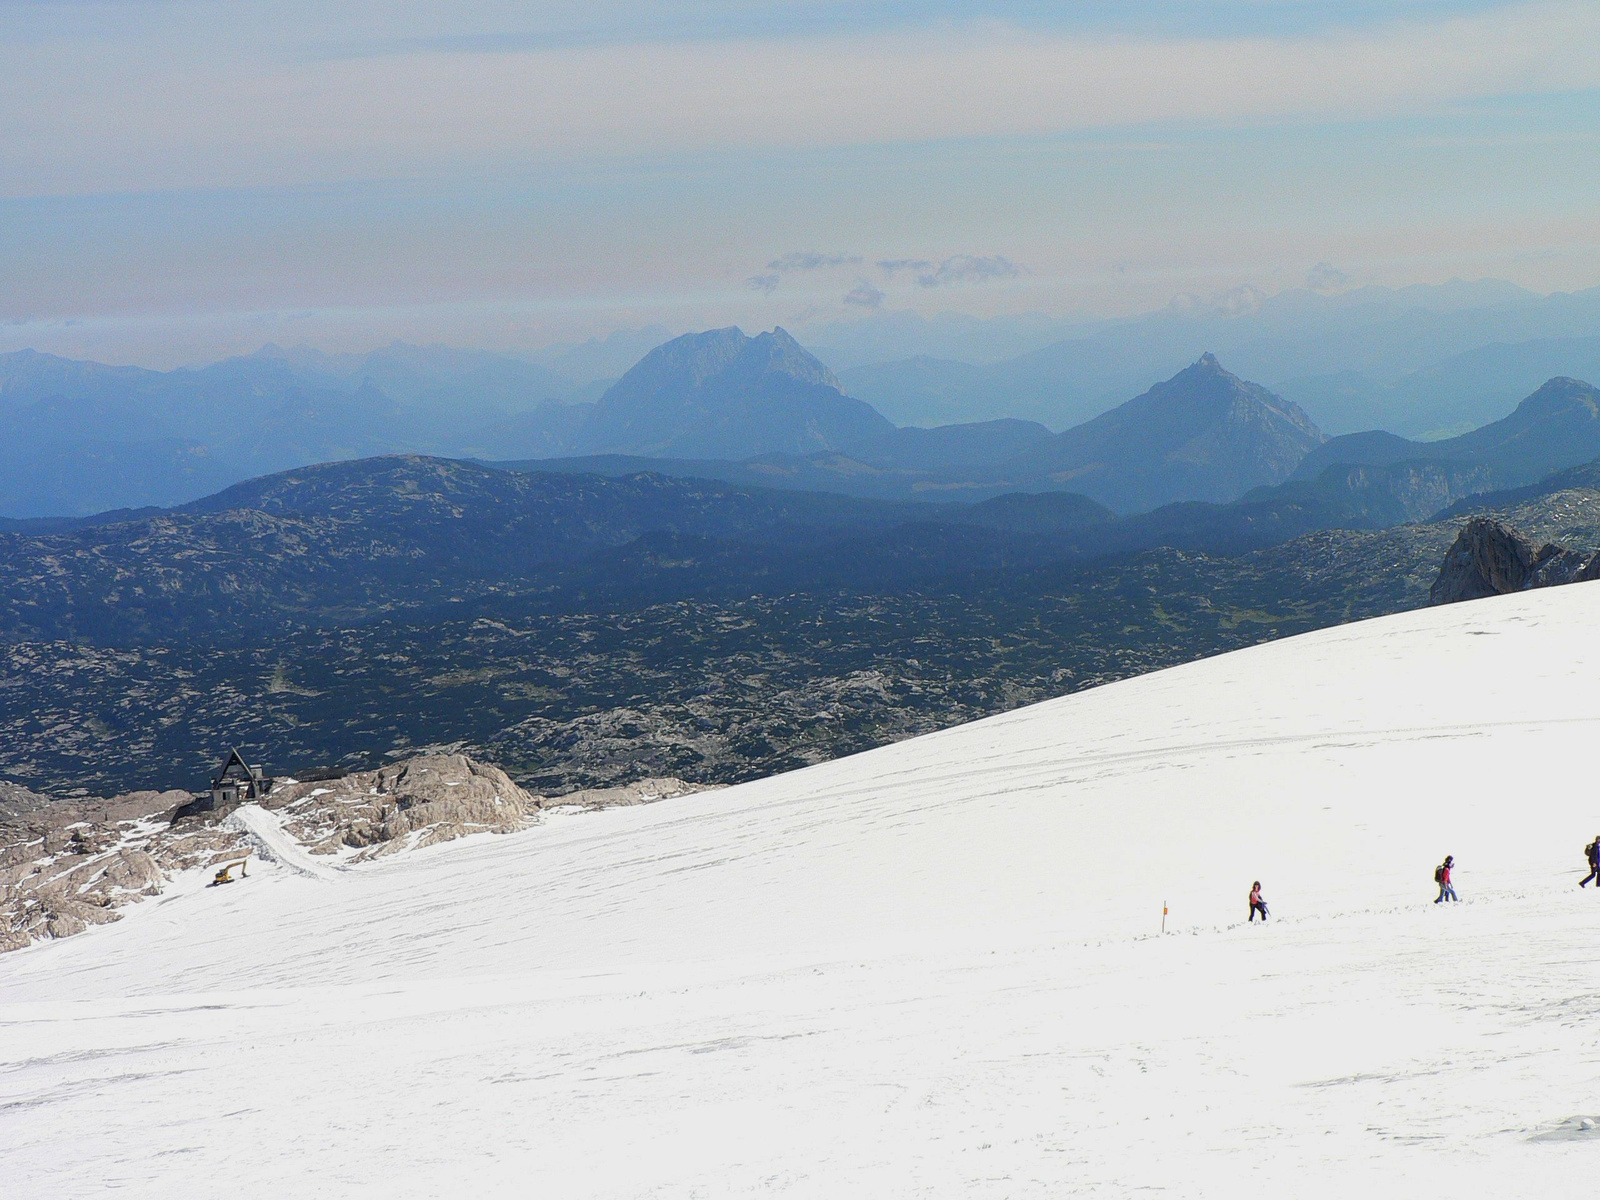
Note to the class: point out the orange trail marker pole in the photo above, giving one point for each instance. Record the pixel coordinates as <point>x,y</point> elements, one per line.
<point>1163,916</point>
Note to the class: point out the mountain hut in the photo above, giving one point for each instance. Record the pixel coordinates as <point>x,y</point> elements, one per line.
<point>237,782</point>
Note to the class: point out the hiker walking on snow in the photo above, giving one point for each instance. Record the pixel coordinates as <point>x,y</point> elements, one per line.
<point>1441,876</point>
<point>1592,853</point>
<point>1257,904</point>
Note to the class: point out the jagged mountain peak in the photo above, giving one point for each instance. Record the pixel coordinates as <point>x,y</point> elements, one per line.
<point>723,394</point>
<point>696,358</point>
<point>778,352</point>
<point>688,360</point>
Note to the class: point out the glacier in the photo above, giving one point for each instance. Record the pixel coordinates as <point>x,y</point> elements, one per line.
<point>932,969</point>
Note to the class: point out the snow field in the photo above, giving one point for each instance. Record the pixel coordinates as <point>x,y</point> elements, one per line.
<point>927,970</point>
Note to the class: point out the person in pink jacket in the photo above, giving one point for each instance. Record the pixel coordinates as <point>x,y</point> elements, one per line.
<point>1257,904</point>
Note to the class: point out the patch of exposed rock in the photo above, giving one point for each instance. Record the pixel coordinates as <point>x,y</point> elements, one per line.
<point>646,791</point>
<point>68,864</point>
<point>16,800</point>
<point>1490,558</point>
<point>416,803</point>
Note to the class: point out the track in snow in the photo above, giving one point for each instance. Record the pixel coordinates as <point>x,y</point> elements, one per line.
<point>273,842</point>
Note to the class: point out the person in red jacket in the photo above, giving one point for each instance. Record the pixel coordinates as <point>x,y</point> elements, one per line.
<point>1257,904</point>
<point>1442,876</point>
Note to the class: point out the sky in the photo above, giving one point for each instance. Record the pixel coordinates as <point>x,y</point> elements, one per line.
<point>182,179</point>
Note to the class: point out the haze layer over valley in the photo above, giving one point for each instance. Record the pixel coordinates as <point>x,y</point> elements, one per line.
<point>79,437</point>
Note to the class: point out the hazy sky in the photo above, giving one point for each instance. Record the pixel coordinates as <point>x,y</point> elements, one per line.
<point>182,179</point>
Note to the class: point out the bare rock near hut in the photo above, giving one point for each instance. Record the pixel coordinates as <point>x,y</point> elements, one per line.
<point>68,864</point>
<point>419,802</point>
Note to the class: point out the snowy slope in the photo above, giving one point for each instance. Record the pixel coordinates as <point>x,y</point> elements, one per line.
<point>928,970</point>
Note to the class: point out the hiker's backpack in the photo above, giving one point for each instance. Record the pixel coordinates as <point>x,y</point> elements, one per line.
<point>1438,874</point>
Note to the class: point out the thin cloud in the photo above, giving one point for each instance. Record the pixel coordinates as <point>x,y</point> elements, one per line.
<point>170,112</point>
<point>958,269</point>
<point>969,268</point>
<point>864,295</point>
<point>798,260</point>
<point>893,266</point>
<point>811,261</point>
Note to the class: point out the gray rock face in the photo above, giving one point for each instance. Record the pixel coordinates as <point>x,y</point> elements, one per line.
<point>1493,559</point>
<point>420,802</point>
<point>70,864</point>
<point>646,791</point>
<point>66,865</point>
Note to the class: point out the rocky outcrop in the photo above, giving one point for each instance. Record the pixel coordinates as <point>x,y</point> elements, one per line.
<point>1493,559</point>
<point>646,791</point>
<point>16,800</point>
<point>420,802</point>
<point>68,864</point>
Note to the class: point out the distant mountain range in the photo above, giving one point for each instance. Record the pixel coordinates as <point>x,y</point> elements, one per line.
<point>79,438</point>
<point>76,438</point>
<point>1449,397</point>
<point>724,395</point>
<point>1421,360</point>
<point>1204,434</point>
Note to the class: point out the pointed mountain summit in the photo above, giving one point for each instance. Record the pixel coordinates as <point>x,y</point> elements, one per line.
<point>1204,434</point>
<point>720,394</point>
<point>1558,426</point>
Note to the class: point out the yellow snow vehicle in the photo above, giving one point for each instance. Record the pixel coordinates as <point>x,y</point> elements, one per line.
<point>226,874</point>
